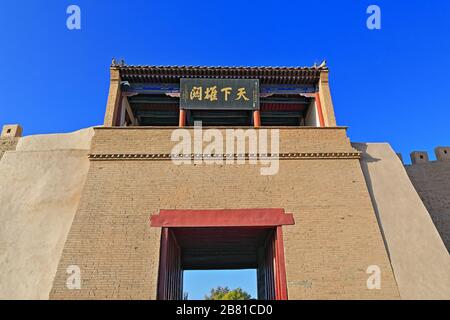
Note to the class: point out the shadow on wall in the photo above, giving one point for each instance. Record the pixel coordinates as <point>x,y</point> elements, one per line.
<point>365,160</point>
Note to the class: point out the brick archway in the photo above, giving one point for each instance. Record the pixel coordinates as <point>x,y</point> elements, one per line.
<point>214,239</point>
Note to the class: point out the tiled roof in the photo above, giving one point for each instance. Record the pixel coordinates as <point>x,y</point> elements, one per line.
<point>171,74</point>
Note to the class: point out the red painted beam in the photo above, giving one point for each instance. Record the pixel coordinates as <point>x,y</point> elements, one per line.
<point>222,218</point>
<point>275,211</point>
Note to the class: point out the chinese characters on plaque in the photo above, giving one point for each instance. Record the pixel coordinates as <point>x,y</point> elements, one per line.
<point>220,94</point>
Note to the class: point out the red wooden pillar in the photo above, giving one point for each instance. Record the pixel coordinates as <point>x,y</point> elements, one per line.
<point>182,120</point>
<point>170,278</point>
<point>256,119</point>
<point>319,110</point>
<point>162,273</point>
<point>281,285</point>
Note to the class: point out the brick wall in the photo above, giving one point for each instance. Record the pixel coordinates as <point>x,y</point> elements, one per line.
<point>335,238</point>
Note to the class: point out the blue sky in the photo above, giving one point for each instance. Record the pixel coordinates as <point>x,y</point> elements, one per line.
<point>199,283</point>
<point>389,85</point>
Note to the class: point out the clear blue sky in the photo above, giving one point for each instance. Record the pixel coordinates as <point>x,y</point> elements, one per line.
<point>199,283</point>
<point>390,85</point>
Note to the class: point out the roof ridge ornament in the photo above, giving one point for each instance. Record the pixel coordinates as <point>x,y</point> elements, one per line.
<point>120,64</point>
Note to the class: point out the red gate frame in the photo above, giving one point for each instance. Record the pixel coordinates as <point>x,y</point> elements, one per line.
<point>232,218</point>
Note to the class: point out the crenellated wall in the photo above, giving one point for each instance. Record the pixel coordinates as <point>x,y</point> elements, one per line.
<point>432,181</point>
<point>9,137</point>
